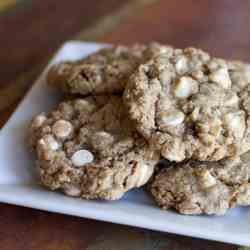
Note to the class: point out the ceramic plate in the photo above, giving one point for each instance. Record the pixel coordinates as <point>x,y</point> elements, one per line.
<point>18,179</point>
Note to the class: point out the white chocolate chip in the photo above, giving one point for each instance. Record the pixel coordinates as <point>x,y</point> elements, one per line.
<point>181,65</point>
<point>195,114</point>
<point>185,87</point>
<point>71,190</point>
<point>216,63</point>
<point>82,157</point>
<point>206,179</point>
<point>231,100</point>
<point>233,120</point>
<point>173,118</point>
<point>221,76</point>
<point>38,121</point>
<point>247,70</point>
<point>62,128</point>
<point>213,65</point>
<point>199,75</point>
<point>174,150</point>
<point>49,142</point>
<point>164,50</point>
<point>236,122</point>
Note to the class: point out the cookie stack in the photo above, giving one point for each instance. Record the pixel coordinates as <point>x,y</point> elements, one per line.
<point>127,108</point>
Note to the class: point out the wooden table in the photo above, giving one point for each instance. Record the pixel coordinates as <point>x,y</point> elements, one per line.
<point>32,30</point>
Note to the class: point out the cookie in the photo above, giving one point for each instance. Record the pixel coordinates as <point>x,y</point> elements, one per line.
<point>204,187</point>
<point>187,104</point>
<point>88,148</point>
<point>105,71</point>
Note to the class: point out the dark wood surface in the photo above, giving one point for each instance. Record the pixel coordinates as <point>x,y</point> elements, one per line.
<point>31,31</point>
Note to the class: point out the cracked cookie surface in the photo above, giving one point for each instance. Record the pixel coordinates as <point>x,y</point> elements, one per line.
<point>189,105</point>
<point>105,71</point>
<point>204,187</point>
<point>88,148</point>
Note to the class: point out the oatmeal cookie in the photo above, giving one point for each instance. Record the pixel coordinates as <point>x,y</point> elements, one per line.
<point>105,71</point>
<point>204,187</point>
<point>88,148</point>
<point>188,105</point>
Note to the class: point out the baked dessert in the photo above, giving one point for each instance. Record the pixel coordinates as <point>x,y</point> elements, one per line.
<point>203,187</point>
<point>190,105</point>
<point>105,71</point>
<point>88,148</point>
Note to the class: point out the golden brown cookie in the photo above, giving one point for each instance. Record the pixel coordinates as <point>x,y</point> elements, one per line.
<point>89,148</point>
<point>189,105</point>
<point>105,71</point>
<point>204,187</point>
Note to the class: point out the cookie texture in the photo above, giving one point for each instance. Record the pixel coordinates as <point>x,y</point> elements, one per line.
<point>204,187</point>
<point>188,105</point>
<point>88,147</point>
<point>105,71</point>
<point>240,74</point>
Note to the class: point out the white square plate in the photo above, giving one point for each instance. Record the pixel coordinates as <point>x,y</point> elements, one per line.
<point>18,180</point>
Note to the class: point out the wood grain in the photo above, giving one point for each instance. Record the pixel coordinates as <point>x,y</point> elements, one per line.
<point>28,229</point>
<point>217,26</point>
<point>33,32</point>
<point>4,4</point>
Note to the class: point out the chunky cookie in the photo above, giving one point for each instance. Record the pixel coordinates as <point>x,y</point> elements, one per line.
<point>204,187</point>
<point>89,148</point>
<point>188,105</point>
<point>105,71</point>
